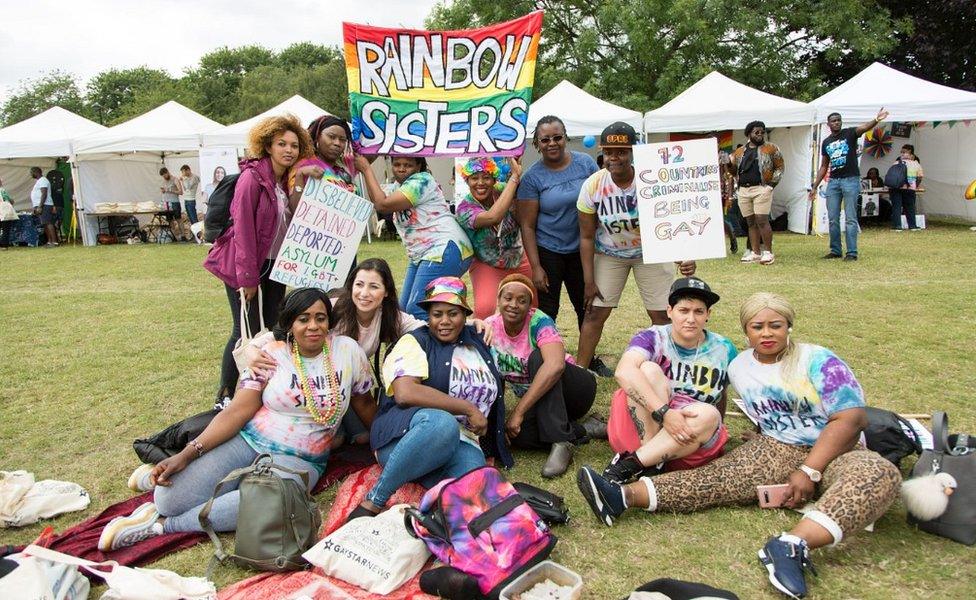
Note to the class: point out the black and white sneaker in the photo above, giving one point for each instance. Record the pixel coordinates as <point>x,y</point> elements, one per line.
<point>606,499</point>
<point>624,467</point>
<point>600,368</point>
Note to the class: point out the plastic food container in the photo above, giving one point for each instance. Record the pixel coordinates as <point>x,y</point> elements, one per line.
<point>547,569</point>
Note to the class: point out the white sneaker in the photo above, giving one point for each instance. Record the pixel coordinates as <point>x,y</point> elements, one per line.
<point>767,258</point>
<point>122,532</point>
<point>749,257</point>
<point>139,480</point>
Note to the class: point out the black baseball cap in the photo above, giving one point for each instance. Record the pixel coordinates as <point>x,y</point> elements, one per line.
<point>618,135</point>
<point>692,286</point>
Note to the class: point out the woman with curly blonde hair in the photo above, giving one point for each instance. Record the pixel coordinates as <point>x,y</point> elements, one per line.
<point>243,254</point>
<point>487,215</point>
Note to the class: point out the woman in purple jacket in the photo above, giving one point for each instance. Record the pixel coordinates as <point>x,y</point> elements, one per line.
<point>243,255</point>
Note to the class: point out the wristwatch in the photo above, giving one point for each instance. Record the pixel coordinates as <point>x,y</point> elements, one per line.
<point>658,415</point>
<point>814,475</point>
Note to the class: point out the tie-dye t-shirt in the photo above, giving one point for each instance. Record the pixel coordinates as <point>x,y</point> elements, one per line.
<point>428,226</point>
<point>700,373</point>
<point>499,246</point>
<point>283,425</point>
<point>618,228</point>
<point>342,176</point>
<point>471,378</point>
<point>512,353</point>
<point>796,413</point>
<point>914,172</point>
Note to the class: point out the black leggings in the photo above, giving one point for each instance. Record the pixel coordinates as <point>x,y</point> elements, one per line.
<point>552,418</point>
<point>562,268</point>
<point>272,293</point>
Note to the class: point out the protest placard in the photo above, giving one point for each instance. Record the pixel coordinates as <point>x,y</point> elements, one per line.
<point>679,200</point>
<point>441,93</point>
<point>322,238</point>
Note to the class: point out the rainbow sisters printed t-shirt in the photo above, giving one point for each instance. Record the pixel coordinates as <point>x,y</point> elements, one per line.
<point>796,412</point>
<point>428,225</point>
<point>512,353</point>
<point>471,378</point>
<point>283,424</point>
<point>618,226</point>
<point>701,373</point>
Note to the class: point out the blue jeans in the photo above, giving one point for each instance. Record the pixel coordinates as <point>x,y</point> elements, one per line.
<point>430,452</point>
<point>846,189</point>
<point>902,200</point>
<point>191,210</point>
<point>421,273</point>
<point>182,502</point>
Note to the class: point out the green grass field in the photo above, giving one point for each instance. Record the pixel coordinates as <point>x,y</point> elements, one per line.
<point>103,345</point>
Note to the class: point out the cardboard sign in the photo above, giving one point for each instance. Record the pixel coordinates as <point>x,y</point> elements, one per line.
<point>441,93</point>
<point>322,238</point>
<point>679,200</point>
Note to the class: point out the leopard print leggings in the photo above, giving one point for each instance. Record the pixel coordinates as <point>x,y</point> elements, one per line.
<point>857,486</point>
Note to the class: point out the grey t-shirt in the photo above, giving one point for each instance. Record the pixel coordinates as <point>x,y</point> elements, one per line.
<point>190,186</point>
<point>169,190</point>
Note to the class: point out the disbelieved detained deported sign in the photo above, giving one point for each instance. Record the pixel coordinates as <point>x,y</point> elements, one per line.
<point>441,93</point>
<point>322,238</point>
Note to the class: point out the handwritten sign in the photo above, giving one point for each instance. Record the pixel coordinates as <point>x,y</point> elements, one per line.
<point>679,200</point>
<point>441,93</point>
<point>322,238</point>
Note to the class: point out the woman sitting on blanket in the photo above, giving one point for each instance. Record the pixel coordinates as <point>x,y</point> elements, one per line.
<point>367,311</point>
<point>810,410</point>
<point>552,391</point>
<point>291,415</point>
<point>442,409</point>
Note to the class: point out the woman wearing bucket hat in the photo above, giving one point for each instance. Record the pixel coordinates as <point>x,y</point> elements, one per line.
<point>610,242</point>
<point>487,215</point>
<point>442,401</point>
<point>552,391</point>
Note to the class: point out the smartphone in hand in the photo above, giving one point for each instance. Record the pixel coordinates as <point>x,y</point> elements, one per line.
<point>773,496</point>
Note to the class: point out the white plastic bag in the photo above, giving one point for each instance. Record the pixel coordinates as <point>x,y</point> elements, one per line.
<point>128,583</point>
<point>375,553</point>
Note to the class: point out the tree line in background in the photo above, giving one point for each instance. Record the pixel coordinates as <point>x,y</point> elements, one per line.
<point>637,53</point>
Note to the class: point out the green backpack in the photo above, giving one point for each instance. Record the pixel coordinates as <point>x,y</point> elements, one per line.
<point>277,520</point>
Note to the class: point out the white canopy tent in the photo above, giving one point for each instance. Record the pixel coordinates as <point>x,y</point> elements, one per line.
<point>38,141</point>
<point>236,133</point>
<point>947,152</point>
<point>582,113</point>
<point>121,164</point>
<point>717,103</point>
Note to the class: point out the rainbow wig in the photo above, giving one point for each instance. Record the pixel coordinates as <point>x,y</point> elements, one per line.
<point>496,167</point>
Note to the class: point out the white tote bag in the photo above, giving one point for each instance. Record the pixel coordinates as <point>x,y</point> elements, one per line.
<point>128,583</point>
<point>246,337</point>
<point>375,553</point>
<point>38,579</point>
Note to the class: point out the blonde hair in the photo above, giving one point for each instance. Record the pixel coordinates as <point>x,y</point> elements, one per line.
<point>756,303</point>
<point>262,134</point>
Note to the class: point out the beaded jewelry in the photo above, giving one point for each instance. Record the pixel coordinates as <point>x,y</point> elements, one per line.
<point>331,415</point>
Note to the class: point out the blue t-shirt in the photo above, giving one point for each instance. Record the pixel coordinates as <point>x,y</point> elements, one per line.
<point>557,229</point>
<point>795,412</point>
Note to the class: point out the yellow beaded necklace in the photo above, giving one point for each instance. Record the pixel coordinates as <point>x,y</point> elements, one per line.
<point>333,399</point>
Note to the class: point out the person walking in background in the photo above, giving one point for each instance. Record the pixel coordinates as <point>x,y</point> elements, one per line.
<point>903,197</point>
<point>838,153</point>
<point>550,223</point>
<point>758,168</point>
<point>190,184</point>
<point>43,203</point>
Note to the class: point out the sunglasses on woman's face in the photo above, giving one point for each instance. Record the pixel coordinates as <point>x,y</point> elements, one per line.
<point>555,138</point>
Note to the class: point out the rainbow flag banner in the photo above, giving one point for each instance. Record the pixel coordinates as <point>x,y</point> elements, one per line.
<point>441,93</point>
